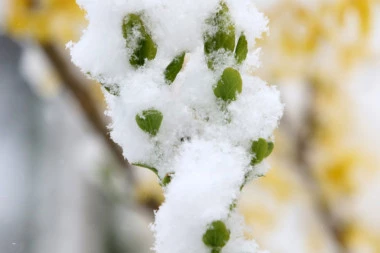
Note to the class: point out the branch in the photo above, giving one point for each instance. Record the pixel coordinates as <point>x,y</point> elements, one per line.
<point>72,81</point>
<point>303,139</point>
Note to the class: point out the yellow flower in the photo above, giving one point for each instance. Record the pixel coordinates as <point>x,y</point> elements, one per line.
<point>45,20</point>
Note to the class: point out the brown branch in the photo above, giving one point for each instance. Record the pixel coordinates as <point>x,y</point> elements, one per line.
<point>72,81</point>
<point>303,147</point>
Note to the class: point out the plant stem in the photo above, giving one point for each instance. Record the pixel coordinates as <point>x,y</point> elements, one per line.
<point>71,80</point>
<point>303,147</point>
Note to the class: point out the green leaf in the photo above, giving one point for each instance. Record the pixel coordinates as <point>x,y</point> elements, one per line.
<point>260,149</point>
<point>167,179</point>
<point>241,50</point>
<point>233,205</point>
<point>145,48</point>
<point>174,68</point>
<point>270,148</point>
<point>112,89</point>
<point>223,38</point>
<point>154,170</point>
<point>217,235</point>
<point>229,85</point>
<point>150,121</point>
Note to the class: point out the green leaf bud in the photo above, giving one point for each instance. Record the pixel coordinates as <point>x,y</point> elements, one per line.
<point>217,235</point>
<point>112,89</point>
<point>145,48</point>
<point>229,85</point>
<point>167,179</point>
<point>241,50</point>
<point>262,149</point>
<point>174,68</point>
<point>150,121</point>
<point>223,38</point>
<point>154,170</point>
<point>270,148</point>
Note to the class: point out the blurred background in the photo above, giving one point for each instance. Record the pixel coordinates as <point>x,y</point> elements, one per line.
<point>64,186</point>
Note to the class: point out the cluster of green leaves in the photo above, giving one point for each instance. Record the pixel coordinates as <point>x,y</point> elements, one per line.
<point>216,236</point>
<point>139,40</point>
<point>222,40</point>
<point>223,37</point>
<point>230,84</point>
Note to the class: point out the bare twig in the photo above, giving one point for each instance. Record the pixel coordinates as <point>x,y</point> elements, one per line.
<point>303,139</point>
<point>72,81</point>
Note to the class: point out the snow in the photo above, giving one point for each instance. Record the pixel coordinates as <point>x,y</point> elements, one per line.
<point>203,141</point>
<point>210,185</point>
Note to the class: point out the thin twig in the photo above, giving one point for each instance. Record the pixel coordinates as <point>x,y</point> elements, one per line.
<point>303,139</point>
<point>72,81</point>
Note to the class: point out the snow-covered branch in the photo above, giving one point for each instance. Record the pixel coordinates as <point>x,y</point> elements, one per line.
<point>177,78</point>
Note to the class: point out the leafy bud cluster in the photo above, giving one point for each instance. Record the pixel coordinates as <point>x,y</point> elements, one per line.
<point>183,103</point>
